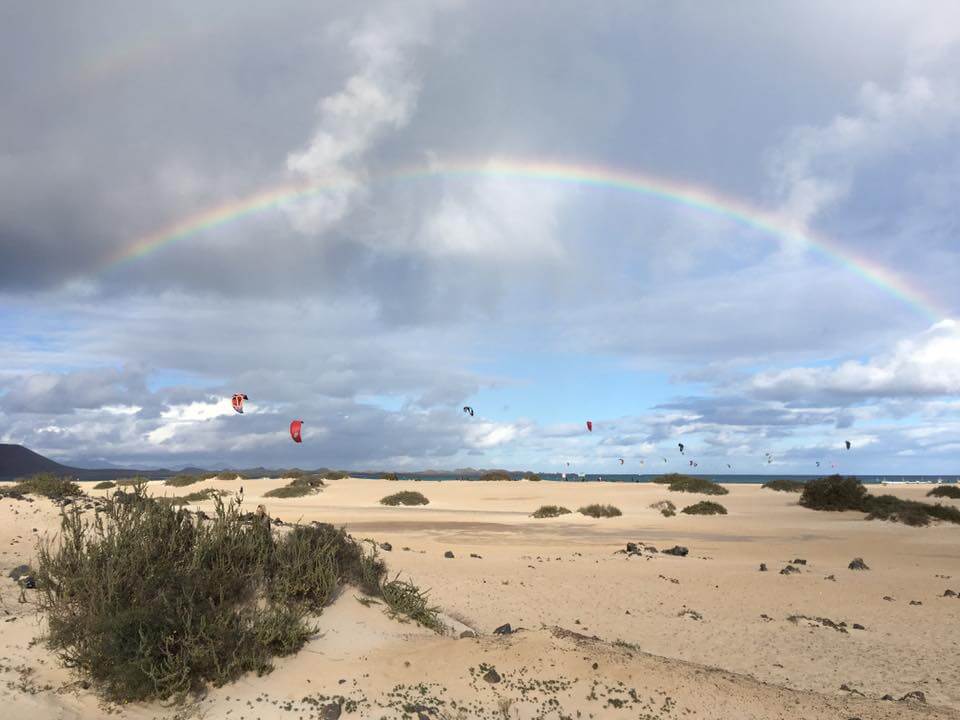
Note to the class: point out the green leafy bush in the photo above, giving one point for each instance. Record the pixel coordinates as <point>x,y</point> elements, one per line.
<point>600,511</point>
<point>834,493</point>
<point>182,480</point>
<point>496,476</point>
<point>550,511</point>
<point>686,483</point>
<point>406,497</point>
<point>705,507</point>
<point>290,491</point>
<point>228,475</point>
<point>948,491</point>
<point>784,485</point>
<point>666,508</point>
<point>390,476</point>
<point>533,477</point>
<point>147,602</point>
<point>49,486</point>
<point>105,485</point>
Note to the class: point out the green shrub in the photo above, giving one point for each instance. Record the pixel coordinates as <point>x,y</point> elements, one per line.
<point>390,476</point>
<point>600,511</point>
<point>130,482</point>
<point>228,475</point>
<point>333,475</point>
<point>666,508</point>
<point>105,485</point>
<point>668,478</point>
<point>890,507</point>
<point>785,485</point>
<point>949,491</point>
<point>533,477</point>
<point>705,507</point>
<point>496,476</point>
<point>406,497</point>
<point>49,486</point>
<point>943,512</point>
<point>550,511</point>
<point>686,483</point>
<point>182,480</point>
<point>148,602</point>
<point>834,493</point>
<point>290,491</point>
<point>201,495</point>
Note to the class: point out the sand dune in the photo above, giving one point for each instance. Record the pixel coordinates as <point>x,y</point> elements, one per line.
<point>708,631</point>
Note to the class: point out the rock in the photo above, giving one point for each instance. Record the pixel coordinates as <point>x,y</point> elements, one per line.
<point>503,630</point>
<point>799,561</point>
<point>763,567</point>
<point>650,549</point>
<point>595,666</point>
<point>331,711</point>
<point>916,602</point>
<point>914,696</point>
<point>858,626</point>
<point>632,547</point>
<point>677,550</point>
<point>888,598</point>
<point>448,554</point>
<point>467,634</point>
<point>831,578</point>
<point>858,564</point>
<point>18,572</point>
<point>492,676</point>
<point>28,582</point>
<point>386,546</point>
<point>888,696</point>
<point>478,557</point>
<point>789,570</point>
<point>949,593</point>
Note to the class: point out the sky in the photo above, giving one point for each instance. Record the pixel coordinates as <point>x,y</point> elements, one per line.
<point>732,225</point>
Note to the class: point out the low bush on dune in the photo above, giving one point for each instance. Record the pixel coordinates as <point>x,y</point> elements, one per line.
<point>550,511</point>
<point>183,480</point>
<point>227,475</point>
<point>785,485</point>
<point>392,477</point>
<point>600,511</point>
<point>834,493</point>
<point>407,497</point>
<point>686,483</point>
<point>496,476</point>
<point>533,477</point>
<point>948,491</point>
<point>705,507</point>
<point>333,475</point>
<point>130,482</point>
<point>668,478</point>
<point>49,486</point>
<point>666,508</point>
<point>148,602</point>
<point>105,485</point>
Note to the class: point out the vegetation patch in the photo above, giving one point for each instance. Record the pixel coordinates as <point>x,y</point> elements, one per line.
<point>147,602</point>
<point>183,480</point>
<point>406,497</point>
<point>49,486</point>
<point>948,491</point>
<point>228,475</point>
<point>496,476</point>
<point>532,477</point>
<point>705,507</point>
<point>666,508</point>
<point>836,493</point>
<point>105,485</point>
<point>392,477</point>
<point>550,511</point>
<point>690,484</point>
<point>600,511</point>
<point>785,485</point>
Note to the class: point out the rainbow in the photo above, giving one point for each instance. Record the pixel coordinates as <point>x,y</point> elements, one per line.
<point>685,195</point>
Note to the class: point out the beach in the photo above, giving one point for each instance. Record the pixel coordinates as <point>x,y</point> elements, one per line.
<point>597,630</point>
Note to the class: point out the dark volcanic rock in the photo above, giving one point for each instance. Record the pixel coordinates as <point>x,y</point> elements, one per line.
<point>503,630</point>
<point>858,626</point>
<point>949,593</point>
<point>386,546</point>
<point>467,634</point>
<point>789,570</point>
<point>492,676</point>
<point>331,711</point>
<point>763,567</point>
<point>632,547</point>
<point>799,561</point>
<point>916,602</point>
<point>914,696</point>
<point>677,550</point>
<point>831,578</point>
<point>858,564</point>
<point>448,554</point>
<point>18,572</point>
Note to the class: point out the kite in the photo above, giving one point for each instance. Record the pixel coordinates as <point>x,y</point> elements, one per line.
<point>295,430</point>
<point>848,444</point>
<point>468,409</point>
<point>621,461</point>
<point>238,399</point>
<point>590,425</point>
<point>680,445</point>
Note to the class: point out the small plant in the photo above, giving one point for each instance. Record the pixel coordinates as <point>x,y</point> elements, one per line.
<point>496,476</point>
<point>290,491</point>
<point>533,477</point>
<point>666,508</point>
<point>333,475</point>
<point>705,507</point>
<point>105,485</point>
<point>405,598</point>
<point>686,483</point>
<point>201,495</point>
<point>600,511</point>
<point>49,486</point>
<point>392,477</point>
<point>227,475</point>
<point>182,480</point>
<point>948,491</point>
<point>405,497</point>
<point>909,512</point>
<point>834,493</point>
<point>783,485</point>
<point>550,511</point>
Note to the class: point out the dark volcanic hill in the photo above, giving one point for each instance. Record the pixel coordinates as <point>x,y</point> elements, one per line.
<point>17,461</point>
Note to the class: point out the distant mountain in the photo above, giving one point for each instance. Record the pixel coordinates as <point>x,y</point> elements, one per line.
<point>18,461</point>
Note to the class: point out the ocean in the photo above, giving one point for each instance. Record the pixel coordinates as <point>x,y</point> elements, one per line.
<point>634,478</point>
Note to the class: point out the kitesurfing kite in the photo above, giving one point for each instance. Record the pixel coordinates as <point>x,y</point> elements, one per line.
<point>590,425</point>
<point>469,410</point>
<point>238,399</point>
<point>680,445</point>
<point>848,444</point>
<point>295,426</point>
<point>818,463</point>
<point>621,461</point>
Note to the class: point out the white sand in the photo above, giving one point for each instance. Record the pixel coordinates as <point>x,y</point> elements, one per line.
<point>565,573</point>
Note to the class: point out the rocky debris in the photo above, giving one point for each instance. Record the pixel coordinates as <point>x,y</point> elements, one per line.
<point>632,547</point>
<point>888,598</point>
<point>504,629</point>
<point>467,634</point>
<point>914,696</point>
<point>763,567</point>
<point>677,550</point>
<point>692,614</point>
<point>799,561</point>
<point>822,621</point>
<point>789,570</point>
<point>949,593</point>
<point>448,554</point>
<point>849,689</point>
<point>916,602</point>
<point>669,579</point>
<point>386,546</point>
<point>858,626</point>
<point>831,578</point>
<point>478,557</point>
<point>331,711</point>
<point>888,696</point>
<point>858,564</point>
<point>492,676</point>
